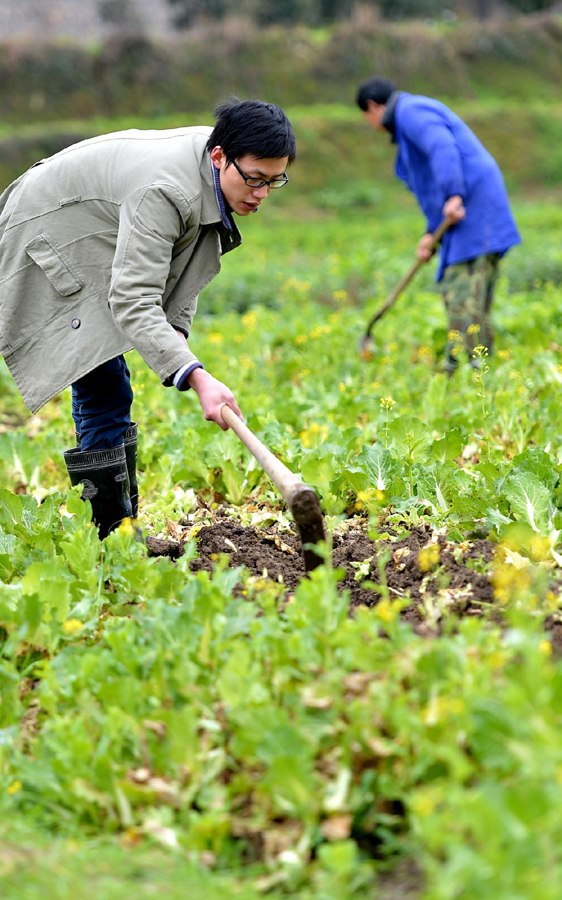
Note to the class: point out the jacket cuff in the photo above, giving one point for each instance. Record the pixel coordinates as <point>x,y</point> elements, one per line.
<point>181,377</point>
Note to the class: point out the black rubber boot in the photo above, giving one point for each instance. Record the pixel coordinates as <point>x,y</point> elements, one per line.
<point>106,484</point>
<point>130,441</point>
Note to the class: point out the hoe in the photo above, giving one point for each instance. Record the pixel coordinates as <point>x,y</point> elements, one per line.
<point>366,344</point>
<point>301,499</point>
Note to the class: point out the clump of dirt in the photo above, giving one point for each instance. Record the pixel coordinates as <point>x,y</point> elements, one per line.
<point>278,556</point>
<point>452,575</point>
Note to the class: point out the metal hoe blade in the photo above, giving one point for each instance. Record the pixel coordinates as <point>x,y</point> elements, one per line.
<point>307,514</point>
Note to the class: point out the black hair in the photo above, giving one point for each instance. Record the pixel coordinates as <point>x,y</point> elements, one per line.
<point>250,127</point>
<point>377,89</point>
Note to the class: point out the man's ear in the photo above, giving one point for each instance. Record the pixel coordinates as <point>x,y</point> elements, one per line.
<point>217,155</point>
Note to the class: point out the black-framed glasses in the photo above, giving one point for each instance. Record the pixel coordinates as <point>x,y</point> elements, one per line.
<point>278,182</point>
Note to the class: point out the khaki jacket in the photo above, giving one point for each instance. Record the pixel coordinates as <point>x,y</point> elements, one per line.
<point>105,247</point>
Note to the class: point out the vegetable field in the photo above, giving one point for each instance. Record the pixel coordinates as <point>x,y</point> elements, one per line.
<point>208,722</point>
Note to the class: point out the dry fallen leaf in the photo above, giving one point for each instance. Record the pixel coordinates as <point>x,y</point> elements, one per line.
<point>380,747</point>
<point>139,776</point>
<point>165,792</point>
<point>313,702</point>
<point>165,836</point>
<point>157,728</point>
<point>356,682</point>
<point>279,543</point>
<point>399,555</point>
<point>337,828</point>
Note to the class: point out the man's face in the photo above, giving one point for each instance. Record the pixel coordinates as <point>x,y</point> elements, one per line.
<point>243,199</point>
<point>374,114</point>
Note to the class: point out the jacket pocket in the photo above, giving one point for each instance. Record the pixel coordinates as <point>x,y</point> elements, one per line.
<point>64,280</point>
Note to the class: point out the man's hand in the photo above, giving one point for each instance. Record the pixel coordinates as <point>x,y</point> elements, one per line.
<point>424,251</point>
<point>212,395</point>
<point>454,210</point>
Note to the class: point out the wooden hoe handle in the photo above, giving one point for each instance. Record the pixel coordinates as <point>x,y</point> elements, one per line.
<point>405,280</point>
<point>299,497</point>
<point>282,477</point>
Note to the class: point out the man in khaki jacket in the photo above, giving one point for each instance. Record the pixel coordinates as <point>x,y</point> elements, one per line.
<point>105,247</point>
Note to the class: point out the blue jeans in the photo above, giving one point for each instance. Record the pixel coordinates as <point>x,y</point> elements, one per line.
<point>101,405</point>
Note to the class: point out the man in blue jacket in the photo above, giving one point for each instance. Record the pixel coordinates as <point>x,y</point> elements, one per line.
<point>452,176</point>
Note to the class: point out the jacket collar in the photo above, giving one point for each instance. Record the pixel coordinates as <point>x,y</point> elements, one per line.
<point>389,114</point>
<point>220,199</point>
<point>210,210</point>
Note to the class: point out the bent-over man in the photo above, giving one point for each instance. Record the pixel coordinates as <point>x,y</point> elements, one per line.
<point>105,247</point>
<point>452,176</point>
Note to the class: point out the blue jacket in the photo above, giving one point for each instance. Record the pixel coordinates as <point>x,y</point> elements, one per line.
<point>439,156</point>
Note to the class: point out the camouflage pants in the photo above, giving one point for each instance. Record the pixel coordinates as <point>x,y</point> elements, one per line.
<point>468,291</point>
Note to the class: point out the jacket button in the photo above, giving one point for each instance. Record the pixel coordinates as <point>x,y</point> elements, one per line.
<point>76,323</point>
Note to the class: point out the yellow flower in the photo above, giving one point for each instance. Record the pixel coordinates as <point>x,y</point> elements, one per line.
<point>473,329</point>
<point>497,659</point>
<point>250,321</point>
<point>508,581</point>
<point>314,435</point>
<point>375,385</point>
<point>126,527</point>
<point>425,801</point>
<point>294,284</point>
<point>301,339</point>
<point>72,626</point>
<point>387,402</point>
<point>238,338</point>
<point>387,610</point>
<point>364,497</point>
<point>428,557</point>
<point>545,647</point>
<point>539,547</point>
<point>216,337</point>
<point>503,354</point>
<point>320,330</point>
<point>454,335</point>
<point>247,362</point>
<point>392,347</point>
<point>15,787</point>
<point>426,353</point>
<point>339,296</point>
<point>342,386</point>
<point>441,708</point>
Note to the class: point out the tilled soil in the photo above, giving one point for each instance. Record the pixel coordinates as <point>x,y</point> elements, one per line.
<point>453,580</point>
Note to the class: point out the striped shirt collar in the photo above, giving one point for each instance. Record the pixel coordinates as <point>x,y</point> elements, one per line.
<point>220,199</point>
